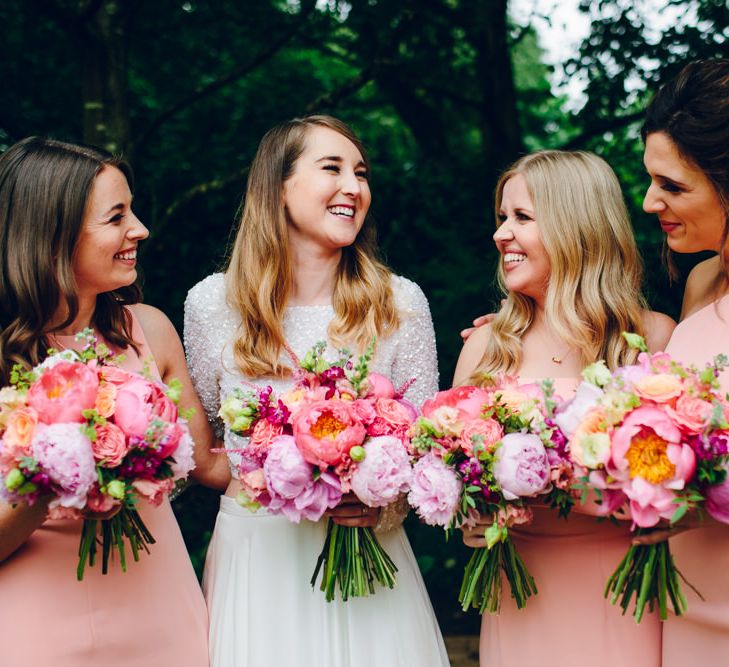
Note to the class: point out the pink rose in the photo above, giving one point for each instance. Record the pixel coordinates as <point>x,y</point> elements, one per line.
<point>379,386</point>
<point>691,413</point>
<point>154,490</point>
<point>262,436</point>
<point>63,392</point>
<point>325,431</point>
<point>115,375</point>
<point>521,467</point>
<point>393,412</point>
<point>486,431</point>
<point>469,401</point>
<point>110,445</point>
<point>170,439</point>
<point>138,402</point>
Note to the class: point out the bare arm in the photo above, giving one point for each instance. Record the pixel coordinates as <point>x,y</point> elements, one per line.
<point>658,329</point>
<point>211,469</point>
<point>18,523</point>
<point>700,285</point>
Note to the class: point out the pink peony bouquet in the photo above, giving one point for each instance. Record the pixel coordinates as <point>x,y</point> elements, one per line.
<point>339,430</point>
<point>484,450</point>
<point>653,438</point>
<point>95,439</point>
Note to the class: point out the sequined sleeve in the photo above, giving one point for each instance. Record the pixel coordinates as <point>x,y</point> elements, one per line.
<point>203,343</point>
<point>416,355</point>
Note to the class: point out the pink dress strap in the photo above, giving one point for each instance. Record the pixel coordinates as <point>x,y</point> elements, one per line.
<point>145,352</point>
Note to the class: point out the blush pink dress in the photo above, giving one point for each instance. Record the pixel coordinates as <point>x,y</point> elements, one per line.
<point>151,616</point>
<point>701,636</point>
<point>569,623</point>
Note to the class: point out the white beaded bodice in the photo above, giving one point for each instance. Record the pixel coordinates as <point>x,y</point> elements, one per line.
<point>211,326</point>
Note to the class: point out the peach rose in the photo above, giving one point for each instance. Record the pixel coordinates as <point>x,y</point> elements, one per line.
<point>590,442</point>
<point>254,484</point>
<point>691,413</point>
<point>262,436</point>
<point>110,445</point>
<point>446,420</point>
<point>659,388</point>
<point>488,431</point>
<point>153,490</point>
<point>20,428</point>
<point>106,399</point>
<point>392,412</point>
<point>10,398</point>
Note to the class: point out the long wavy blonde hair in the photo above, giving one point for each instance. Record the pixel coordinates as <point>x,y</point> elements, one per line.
<point>259,275</point>
<point>593,293</point>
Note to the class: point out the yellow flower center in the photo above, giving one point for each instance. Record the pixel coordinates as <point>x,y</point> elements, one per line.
<point>327,426</point>
<point>59,390</point>
<point>647,458</point>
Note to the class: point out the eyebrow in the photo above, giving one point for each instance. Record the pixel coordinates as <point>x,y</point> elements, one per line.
<point>337,158</point>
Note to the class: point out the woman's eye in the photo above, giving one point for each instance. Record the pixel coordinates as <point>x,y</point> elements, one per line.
<point>117,218</point>
<point>667,186</point>
<point>362,173</point>
<point>523,217</point>
<point>332,167</point>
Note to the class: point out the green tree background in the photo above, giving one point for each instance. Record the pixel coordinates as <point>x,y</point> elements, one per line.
<point>445,94</point>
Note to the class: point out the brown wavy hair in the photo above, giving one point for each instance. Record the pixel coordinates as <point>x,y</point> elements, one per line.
<point>259,275</point>
<point>44,187</point>
<point>693,110</point>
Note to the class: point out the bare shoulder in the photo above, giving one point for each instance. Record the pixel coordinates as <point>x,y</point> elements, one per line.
<point>658,328</point>
<point>161,335</point>
<point>471,354</point>
<point>699,290</point>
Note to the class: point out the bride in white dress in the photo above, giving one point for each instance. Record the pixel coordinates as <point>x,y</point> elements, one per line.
<point>303,269</point>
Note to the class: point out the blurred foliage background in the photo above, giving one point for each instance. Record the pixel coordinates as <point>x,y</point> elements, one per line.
<point>445,94</point>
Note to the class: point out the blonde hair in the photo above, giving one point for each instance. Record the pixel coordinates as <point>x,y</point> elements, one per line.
<point>259,274</point>
<point>593,293</point>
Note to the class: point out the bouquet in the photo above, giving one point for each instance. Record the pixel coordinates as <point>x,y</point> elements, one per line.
<point>340,429</point>
<point>485,450</point>
<point>653,436</point>
<point>95,438</point>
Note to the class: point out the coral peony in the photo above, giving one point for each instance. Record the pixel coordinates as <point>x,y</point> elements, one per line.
<point>63,392</point>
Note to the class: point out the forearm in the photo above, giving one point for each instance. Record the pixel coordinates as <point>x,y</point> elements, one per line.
<point>211,468</point>
<point>18,523</point>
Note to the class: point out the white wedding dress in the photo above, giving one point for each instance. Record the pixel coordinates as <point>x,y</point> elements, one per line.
<point>263,610</point>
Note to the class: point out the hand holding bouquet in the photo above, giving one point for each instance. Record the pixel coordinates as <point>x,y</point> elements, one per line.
<point>485,450</point>
<point>95,438</point>
<point>653,436</point>
<point>339,430</point>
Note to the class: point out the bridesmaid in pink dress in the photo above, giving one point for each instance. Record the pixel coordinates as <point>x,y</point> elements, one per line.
<point>686,136</point>
<point>571,274</point>
<point>68,262</point>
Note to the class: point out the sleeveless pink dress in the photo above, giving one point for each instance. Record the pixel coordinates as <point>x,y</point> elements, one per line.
<point>152,615</point>
<point>701,636</point>
<point>569,623</point>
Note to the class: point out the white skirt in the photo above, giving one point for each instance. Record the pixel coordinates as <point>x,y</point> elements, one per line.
<point>264,612</point>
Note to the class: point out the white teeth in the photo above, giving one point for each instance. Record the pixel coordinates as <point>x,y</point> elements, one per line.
<point>342,210</point>
<point>513,257</point>
<point>131,254</point>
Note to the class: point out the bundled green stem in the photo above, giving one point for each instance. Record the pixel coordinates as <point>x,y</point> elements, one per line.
<point>353,559</point>
<point>481,586</point>
<point>126,525</point>
<point>648,573</point>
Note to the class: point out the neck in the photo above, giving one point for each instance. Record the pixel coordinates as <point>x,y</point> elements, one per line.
<point>314,274</point>
<point>83,319</point>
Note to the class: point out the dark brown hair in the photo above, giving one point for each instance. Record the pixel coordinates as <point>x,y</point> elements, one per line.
<point>44,187</point>
<point>693,110</point>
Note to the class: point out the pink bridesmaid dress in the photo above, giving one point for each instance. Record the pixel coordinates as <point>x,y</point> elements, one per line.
<point>569,623</point>
<point>152,615</point>
<point>701,636</point>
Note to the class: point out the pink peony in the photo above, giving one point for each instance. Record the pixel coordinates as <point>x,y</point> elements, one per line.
<point>325,431</point>
<point>469,402</point>
<point>64,453</point>
<point>435,491</point>
<point>521,467</point>
<point>63,392</point>
<point>383,474</point>
<point>183,456</point>
<point>379,386</point>
<point>717,500</point>
<point>154,490</point>
<point>486,431</point>
<point>138,402</point>
<point>110,446</point>
<point>651,461</point>
<point>291,486</point>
